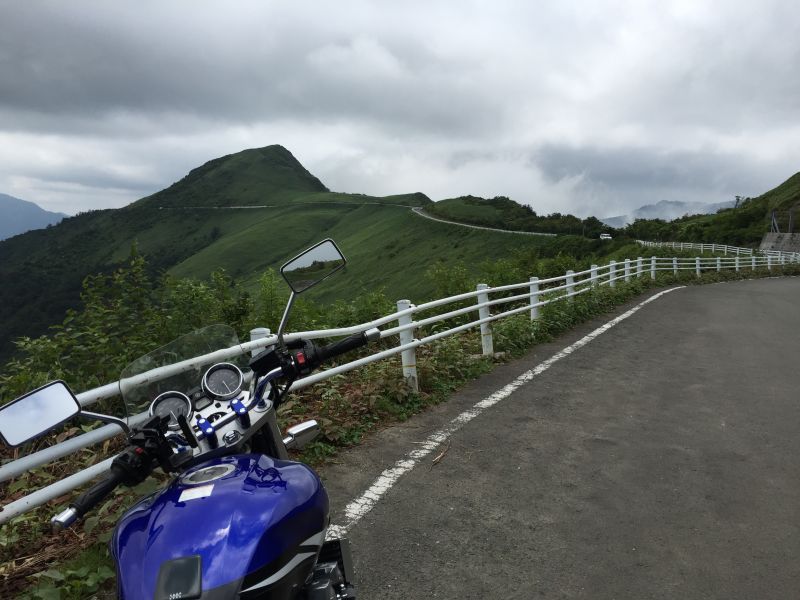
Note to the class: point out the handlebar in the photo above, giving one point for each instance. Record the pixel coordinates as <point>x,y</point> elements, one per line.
<point>88,500</point>
<point>347,344</point>
<point>137,470</point>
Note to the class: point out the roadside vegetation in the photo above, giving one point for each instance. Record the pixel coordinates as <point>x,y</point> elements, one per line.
<point>130,312</point>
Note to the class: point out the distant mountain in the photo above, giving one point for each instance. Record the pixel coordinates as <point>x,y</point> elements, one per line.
<point>744,225</point>
<point>259,176</point>
<point>667,210</point>
<point>245,212</point>
<point>18,216</point>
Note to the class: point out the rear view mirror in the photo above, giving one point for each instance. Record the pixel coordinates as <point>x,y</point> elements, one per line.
<point>37,412</point>
<point>312,266</point>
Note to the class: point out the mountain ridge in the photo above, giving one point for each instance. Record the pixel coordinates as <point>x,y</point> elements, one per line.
<point>666,210</point>
<point>18,216</point>
<point>272,174</point>
<point>181,233</point>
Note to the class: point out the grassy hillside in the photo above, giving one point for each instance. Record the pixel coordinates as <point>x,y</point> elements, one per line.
<point>250,211</point>
<point>387,247</point>
<point>42,270</point>
<point>196,226</point>
<point>744,225</point>
<point>503,213</point>
<point>259,176</point>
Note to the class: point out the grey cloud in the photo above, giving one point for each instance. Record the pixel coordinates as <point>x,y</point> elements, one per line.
<point>55,67</point>
<point>630,175</point>
<point>622,100</point>
<point>94,177</point>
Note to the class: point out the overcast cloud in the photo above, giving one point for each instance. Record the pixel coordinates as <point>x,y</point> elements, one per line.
<point>592,108</point>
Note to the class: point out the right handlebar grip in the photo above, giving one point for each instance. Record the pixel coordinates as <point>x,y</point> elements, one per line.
<point>95,494</point>
<point>342,346</point>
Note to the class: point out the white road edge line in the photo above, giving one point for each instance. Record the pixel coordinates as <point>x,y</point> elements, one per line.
<point>359,507</point>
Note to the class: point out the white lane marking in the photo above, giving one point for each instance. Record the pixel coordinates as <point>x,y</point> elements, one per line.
<point>359,507</point>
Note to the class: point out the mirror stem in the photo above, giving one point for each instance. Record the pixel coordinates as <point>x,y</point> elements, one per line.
<point>107,419</point>
<point>285,318</point>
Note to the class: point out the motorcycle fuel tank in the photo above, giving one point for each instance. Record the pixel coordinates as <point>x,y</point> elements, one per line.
<point>245,524</point>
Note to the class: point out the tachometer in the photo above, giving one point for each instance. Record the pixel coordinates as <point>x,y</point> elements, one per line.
<point>172,405</point>
<point>223,381</point>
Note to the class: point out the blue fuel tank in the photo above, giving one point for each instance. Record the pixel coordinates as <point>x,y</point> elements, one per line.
<point>246,525</point>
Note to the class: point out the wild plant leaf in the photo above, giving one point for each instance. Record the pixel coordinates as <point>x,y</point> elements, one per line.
<point>54,574</point>
<point>47,593</point>
<point>90,523</point>
<point>18,485</point>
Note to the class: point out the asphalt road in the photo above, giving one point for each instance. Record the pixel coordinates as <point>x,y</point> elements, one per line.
<point>661,460</point>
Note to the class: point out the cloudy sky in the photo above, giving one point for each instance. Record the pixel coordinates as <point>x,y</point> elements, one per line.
<point>590,107</point>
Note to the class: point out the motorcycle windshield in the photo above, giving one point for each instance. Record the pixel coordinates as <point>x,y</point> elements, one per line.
<point>178,366</point>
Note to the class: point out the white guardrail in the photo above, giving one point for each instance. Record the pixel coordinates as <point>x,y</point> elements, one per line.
<point>721,248</point>
<point>525,297</point>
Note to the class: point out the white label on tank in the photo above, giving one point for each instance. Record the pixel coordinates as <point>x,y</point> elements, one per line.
<point>203,491</point>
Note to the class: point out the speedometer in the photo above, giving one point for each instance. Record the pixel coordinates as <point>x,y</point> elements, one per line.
<point>172,405</point>
<point>223,381</point>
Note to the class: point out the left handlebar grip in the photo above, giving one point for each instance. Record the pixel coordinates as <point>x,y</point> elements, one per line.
<point>94,495</point>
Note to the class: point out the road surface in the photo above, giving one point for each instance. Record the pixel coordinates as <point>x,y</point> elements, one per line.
<point>659,460</point>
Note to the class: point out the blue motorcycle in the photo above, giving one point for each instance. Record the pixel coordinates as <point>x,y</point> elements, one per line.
<point>238,518</point>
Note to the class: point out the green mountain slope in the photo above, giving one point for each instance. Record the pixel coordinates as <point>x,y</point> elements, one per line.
<point>204,221</point>
<point>503,213</point>
<point>386,246</point>
<point>252,210</point>
<point>744,225</point>
<point>253,177</point>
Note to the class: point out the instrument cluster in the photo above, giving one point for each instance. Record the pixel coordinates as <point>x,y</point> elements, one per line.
<point>222,381</point>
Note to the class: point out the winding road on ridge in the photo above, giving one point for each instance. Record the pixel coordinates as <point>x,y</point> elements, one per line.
<point>656,458</point>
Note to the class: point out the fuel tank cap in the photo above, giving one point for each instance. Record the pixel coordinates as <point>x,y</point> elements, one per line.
<point>207,474</point>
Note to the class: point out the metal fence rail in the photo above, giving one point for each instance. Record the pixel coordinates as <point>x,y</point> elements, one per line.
<point>720,248</point>
<point>490,304</point>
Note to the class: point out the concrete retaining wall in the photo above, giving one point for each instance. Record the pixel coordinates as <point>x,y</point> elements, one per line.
<point>785,242</point>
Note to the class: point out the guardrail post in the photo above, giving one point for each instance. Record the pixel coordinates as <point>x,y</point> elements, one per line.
<point>593,278</point>
<point>726,250</point>
<point>627,269</point>
<point>612,273</point>
<point>409,357</point>
<point>769,262</point>
<point>257,334</point>
<point>534,298</point>
<point>674,265</point>
<point>697,265</point>
<point>737,250</point>
<point>753,262</point>
<point>486,328</point>
<point>738,266</point>
<point>570,281</point>
<point>639,266</point>
<point>783,259</point>
<point>652,267</point>
<point>719,264</point>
